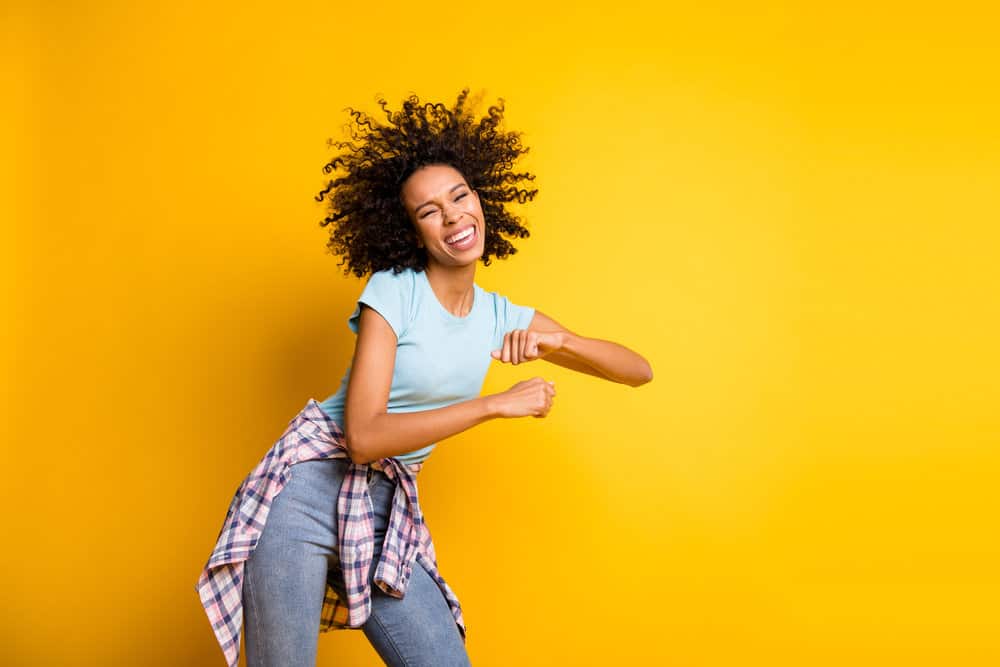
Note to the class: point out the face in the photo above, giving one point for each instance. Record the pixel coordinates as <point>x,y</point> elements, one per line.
<point>441,205</point>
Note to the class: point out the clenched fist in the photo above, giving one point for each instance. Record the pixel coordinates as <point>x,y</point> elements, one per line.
<point>529,397</point>
<point>526,345</point>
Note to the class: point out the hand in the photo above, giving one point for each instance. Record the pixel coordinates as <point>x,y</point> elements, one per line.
<point>532,397</point>
<point>526,345</point>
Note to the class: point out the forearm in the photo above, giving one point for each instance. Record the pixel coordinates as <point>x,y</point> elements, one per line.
<point>393,433</point>
<point>615,362</point>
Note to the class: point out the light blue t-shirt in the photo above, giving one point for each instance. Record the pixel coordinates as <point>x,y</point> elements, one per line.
<point>441,358</point>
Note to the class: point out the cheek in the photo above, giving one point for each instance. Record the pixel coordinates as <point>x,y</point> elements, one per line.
<point>422,232</point>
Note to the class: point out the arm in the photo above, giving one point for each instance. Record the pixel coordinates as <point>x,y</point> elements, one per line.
<point>373,433</point>
<point>557,344</point>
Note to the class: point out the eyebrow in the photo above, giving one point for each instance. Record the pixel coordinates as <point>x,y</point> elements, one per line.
<point>455,187</point>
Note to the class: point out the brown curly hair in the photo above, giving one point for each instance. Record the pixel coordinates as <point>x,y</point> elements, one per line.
<point>369,226</point>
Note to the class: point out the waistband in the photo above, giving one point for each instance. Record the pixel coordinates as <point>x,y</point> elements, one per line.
<point>329,431</point>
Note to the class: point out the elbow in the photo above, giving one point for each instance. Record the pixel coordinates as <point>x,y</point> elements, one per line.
<point>646,377</point>
<point>359,458</point>
<point>356,451</point>
<point>358,431</point>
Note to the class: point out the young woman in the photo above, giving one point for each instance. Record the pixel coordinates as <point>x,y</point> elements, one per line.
<point>420,201</point>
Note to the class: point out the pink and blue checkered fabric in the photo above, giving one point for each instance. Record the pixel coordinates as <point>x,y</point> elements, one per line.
<point>310,435</point>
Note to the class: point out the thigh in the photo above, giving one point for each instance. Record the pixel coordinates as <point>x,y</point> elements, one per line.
<point>418,630</point>
<point>285,577</point>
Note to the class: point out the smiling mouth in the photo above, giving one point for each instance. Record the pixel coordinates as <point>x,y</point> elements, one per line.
<point>463,237</point>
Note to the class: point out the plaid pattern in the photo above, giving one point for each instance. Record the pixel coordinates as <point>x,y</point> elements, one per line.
<point>311,434</point>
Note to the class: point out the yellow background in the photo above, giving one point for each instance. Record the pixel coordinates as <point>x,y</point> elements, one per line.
<point>790,211</point>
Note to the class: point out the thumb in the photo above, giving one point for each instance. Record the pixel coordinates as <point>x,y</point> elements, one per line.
<point>495,354</point>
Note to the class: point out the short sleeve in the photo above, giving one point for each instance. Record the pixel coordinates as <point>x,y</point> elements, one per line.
<point>510,316</point>
<point>389,294</point>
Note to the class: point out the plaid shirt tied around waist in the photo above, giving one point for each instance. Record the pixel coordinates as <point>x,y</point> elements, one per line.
<point>311,435</point>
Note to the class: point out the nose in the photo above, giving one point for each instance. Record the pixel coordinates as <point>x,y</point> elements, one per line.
<point>452,213</point>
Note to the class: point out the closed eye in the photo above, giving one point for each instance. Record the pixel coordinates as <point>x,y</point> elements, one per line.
<point>432,210</point>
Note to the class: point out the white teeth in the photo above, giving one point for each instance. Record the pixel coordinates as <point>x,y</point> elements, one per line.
<point>459,237</point>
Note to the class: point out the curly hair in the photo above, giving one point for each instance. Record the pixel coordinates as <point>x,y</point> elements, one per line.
<point>369,225</point>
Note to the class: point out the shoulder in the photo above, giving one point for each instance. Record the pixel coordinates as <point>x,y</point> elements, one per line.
<point>507,314</point>
<point>388,283</point>
<point>389,277</point>
<point>494,302</point>
<point>499,302</point>
<point>391,293</point>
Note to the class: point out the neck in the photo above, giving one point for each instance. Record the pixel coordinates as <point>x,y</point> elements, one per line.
<point>453,286</point>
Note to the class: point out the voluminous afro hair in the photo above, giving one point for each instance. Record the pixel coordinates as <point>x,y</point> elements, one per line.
<point>369,226</point>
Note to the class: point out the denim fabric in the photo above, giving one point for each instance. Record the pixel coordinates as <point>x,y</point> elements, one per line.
<point>286,576</point>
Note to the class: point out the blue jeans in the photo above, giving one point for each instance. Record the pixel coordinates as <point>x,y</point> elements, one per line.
<point>286,575</point>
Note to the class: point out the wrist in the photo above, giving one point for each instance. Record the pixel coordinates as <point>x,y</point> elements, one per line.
<point>487,407</point>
